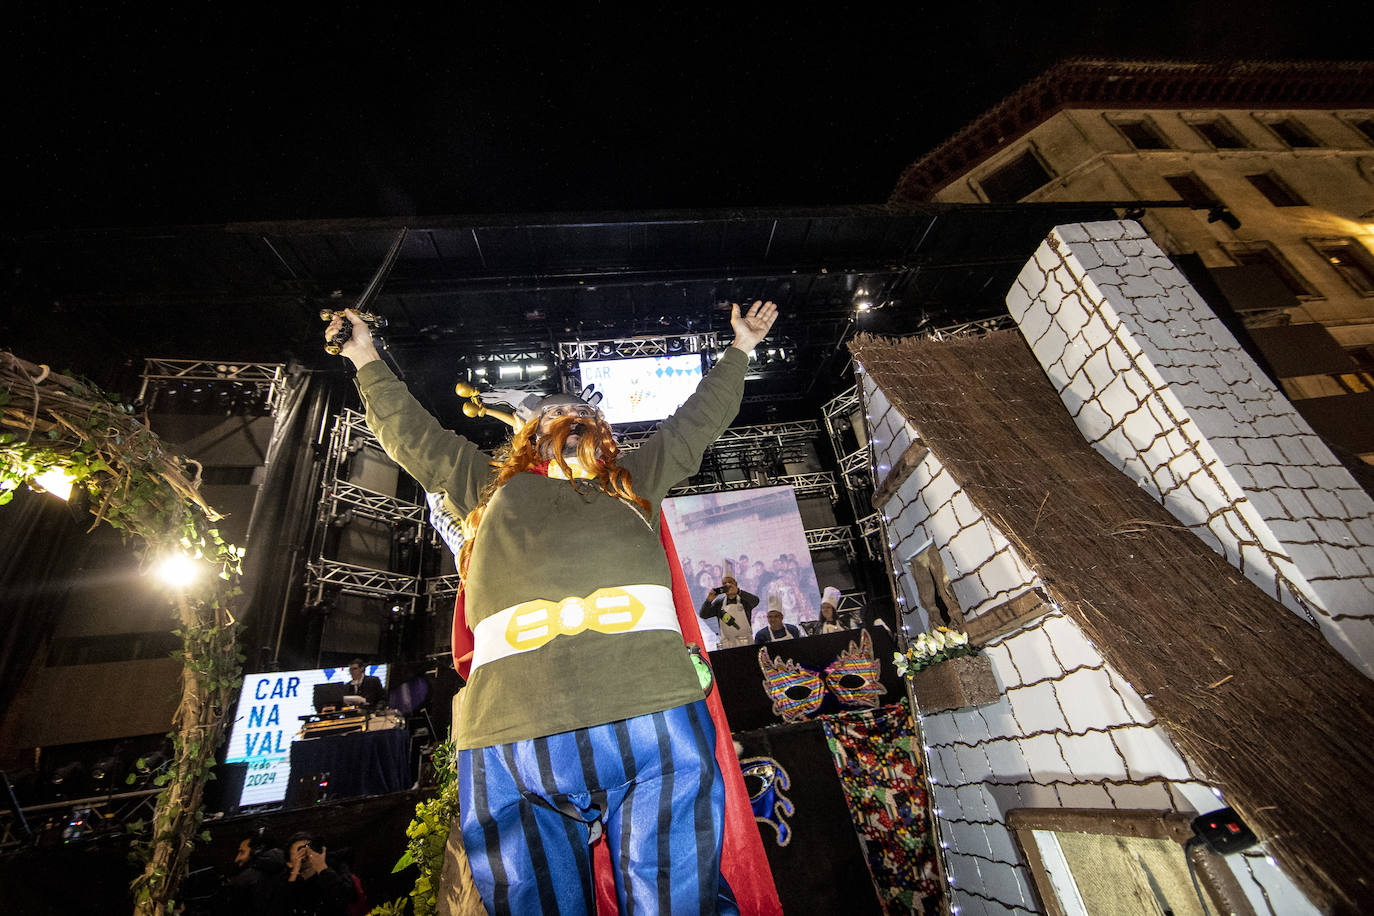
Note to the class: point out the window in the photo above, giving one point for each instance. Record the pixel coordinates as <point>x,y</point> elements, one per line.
<point>1193,192</point>
<point>1016,179</point>
<point>1363,357</point>
<point>1276,190</point>
<point>1142,134</point>
<point>1120,861</point>
<point>1219,133</point>
<point>1260,254</point>
<point>1364,125</point>
<point>1351,260</point>
<point>933,589</point>
<point>1291,132</point>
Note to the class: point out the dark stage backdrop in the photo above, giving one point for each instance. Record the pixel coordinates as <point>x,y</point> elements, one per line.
<point>740,680</point>
<point>822,868</point>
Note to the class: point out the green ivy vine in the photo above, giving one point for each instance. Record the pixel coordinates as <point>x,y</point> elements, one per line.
<point>129,480</point>
<point>427,838</point>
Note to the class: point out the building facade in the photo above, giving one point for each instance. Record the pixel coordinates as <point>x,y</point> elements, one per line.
<point>1260,176</point>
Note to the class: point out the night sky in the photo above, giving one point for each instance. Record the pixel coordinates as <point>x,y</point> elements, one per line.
<point>139,118</point>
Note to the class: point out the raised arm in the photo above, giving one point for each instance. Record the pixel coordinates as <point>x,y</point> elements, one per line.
<point>674,452</point>
<point>440,460</point>
<point>708,607</point>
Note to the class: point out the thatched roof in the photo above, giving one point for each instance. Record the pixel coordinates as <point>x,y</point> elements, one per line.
<point>1253,695</point>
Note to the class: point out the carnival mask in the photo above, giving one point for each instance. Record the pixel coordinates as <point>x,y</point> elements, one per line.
<point>853,676</point>
<point>797,692</point>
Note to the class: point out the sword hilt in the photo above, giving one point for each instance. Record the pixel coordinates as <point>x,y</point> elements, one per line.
<point>345,333</point>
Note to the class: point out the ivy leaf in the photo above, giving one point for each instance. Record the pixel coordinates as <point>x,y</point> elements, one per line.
<point>405,861</point>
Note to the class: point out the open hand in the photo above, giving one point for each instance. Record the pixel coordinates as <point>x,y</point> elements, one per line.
<point>752,327</point>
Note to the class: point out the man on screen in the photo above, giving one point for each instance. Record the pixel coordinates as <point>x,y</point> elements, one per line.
<point>776,629</point>
<point>734,608</point>
<point>580,682</point>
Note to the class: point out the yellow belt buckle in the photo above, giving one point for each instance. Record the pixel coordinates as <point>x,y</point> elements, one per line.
<point>606,610</point>
<point>614,610</point>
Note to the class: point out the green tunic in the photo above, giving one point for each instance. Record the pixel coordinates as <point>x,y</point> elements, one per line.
<point>543,539</point>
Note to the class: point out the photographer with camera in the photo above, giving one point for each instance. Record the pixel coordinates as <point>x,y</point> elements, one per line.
<point>733,606</point>
<point>313,886</point>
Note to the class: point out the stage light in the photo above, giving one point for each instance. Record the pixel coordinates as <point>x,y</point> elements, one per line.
<point>863,305</point>
<point>55,481</point>
<point>675,344</point>
<point>107,772</point>
<point>178,570</point>
<point>508,371</point>
<point>480,372</point>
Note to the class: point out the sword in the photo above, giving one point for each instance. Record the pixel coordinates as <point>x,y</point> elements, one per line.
<point>336,343</point>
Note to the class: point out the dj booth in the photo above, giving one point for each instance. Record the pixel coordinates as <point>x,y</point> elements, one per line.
<point>346,752</point>
<point>342,766</point>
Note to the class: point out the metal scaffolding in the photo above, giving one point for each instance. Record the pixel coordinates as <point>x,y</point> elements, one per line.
<point>806,486</point>
<point>340,501</point>
<point>625,347</point>
<point>267,379</point>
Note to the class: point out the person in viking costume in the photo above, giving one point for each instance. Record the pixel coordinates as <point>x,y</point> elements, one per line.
<point>584,712</point>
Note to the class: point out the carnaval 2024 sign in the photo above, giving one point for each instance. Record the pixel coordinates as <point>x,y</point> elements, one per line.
<point>269,719</point>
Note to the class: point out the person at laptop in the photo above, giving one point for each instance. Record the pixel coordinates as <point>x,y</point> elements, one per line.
<point>365,685</point>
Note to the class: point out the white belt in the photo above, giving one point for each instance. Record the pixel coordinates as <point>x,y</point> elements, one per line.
<point>533,624</point>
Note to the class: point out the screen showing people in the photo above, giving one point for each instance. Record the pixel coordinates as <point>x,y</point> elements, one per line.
<point>268,719</point>
<point>756,538</point>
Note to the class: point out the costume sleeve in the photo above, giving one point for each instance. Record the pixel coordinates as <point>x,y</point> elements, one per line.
<point>674,452</point>
<point>708,608</point>
<point>750,601</point>
<point>440,460</point>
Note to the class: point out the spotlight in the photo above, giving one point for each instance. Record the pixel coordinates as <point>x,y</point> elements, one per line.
<point>508,371</point>
<point>107,772</point>
<point>55,481</point>
<point>607,348</point>
<point>69,780</point>
<point>178,570</point>
<point>675,344</point>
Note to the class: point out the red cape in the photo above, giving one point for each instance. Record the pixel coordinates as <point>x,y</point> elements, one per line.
<point>743,862</point>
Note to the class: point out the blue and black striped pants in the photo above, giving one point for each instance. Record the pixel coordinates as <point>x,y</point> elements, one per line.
<point>529,811</point>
